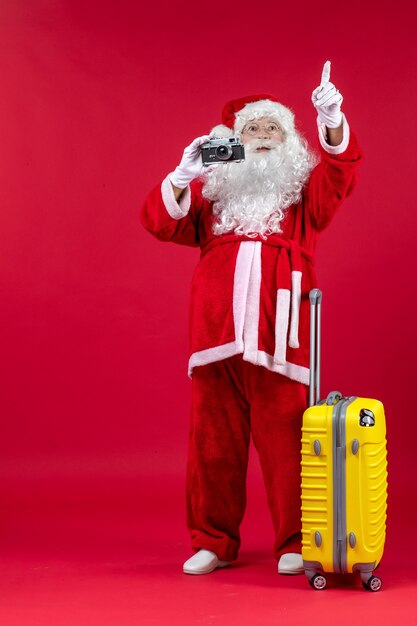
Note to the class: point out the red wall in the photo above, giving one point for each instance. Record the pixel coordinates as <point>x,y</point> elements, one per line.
<point>98,101</point>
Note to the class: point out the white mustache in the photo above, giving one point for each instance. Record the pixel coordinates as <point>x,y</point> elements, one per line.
<point>254,145</point>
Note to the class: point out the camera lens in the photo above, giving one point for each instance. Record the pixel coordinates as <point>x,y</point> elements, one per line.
<point>224,152</point>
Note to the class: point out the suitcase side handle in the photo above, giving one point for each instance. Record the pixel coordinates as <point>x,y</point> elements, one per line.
<point>315,343</point>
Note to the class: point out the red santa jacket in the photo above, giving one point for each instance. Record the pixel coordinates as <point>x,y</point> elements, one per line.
<point>249,296</point>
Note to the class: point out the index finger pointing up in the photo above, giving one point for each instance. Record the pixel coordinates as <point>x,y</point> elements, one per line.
<point>325,75</point>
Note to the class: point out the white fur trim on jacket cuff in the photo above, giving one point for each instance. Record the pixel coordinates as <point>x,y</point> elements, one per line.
<point>323,136</point>
<point>177,210</point>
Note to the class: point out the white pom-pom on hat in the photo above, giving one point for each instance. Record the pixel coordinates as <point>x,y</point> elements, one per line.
<point>221,132</point>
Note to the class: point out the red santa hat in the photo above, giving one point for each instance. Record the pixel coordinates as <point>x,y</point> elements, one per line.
<point>237,113</point>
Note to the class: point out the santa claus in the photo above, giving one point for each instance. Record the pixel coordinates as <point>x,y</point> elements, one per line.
<point>256,223</point>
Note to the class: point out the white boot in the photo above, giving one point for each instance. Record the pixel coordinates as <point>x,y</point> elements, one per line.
<point>203,562</point>
<point>291,563</point>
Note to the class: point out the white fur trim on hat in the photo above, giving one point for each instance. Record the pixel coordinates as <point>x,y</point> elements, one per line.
<point>265,108</point>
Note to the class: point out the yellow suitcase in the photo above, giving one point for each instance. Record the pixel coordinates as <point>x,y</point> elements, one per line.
<point>343,479</point>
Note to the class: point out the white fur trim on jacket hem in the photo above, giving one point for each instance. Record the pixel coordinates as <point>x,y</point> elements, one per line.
<point>295,372</point>
<point>246,304</point>
<point>323,136</point>
<point>214,354</point>
<point>176,210</point>
<point>211,355</point>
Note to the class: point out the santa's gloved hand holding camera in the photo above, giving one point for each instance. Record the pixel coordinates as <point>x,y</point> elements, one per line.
<point>191,166</point>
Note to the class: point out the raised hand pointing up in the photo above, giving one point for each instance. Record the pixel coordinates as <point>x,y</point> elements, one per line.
<point>327,100</point>
<point>325,74</point>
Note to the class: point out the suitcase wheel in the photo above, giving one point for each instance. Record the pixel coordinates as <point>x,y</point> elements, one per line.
<point>374,584</point>
<point>318,582</point>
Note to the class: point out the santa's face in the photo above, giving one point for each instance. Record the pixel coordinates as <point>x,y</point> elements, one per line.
<point>263,130</point>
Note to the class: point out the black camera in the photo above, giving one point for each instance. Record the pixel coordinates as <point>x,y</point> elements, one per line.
<point>222,151</point>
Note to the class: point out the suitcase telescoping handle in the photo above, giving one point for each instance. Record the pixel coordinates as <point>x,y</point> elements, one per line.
<point>315,342</point>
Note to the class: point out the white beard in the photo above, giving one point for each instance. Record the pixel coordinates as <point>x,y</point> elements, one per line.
<point>250,198</point>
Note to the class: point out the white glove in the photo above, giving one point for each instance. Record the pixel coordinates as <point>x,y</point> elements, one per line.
<point>327,100</point>
<point>191,165</point>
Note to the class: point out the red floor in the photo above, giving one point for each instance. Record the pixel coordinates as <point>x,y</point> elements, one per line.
<point>80,562</point>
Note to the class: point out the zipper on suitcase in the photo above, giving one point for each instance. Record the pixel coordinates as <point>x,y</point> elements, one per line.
<point>339,486</point>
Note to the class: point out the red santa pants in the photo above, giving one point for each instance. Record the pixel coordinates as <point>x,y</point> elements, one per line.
<point>230,400</point>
